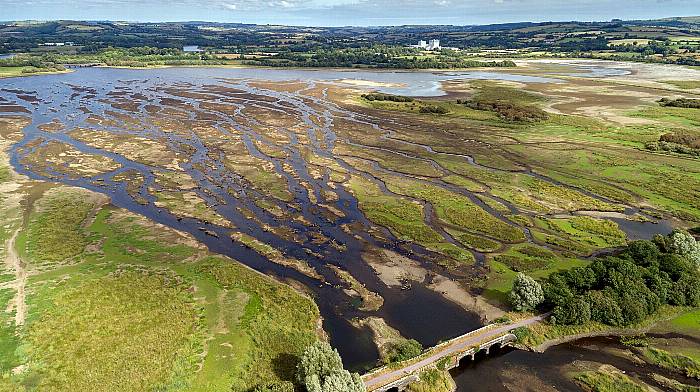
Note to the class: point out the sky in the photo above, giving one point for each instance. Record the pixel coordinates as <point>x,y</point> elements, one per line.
<point>347,12</point>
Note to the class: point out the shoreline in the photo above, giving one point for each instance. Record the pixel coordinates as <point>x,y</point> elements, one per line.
<point>635,330</point>
<point>21,75</point>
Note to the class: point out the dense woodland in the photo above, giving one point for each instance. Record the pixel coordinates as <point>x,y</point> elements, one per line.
<point>619,290</point>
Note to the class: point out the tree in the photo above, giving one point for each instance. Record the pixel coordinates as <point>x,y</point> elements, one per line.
<point>319,359</point>
<point>343,382</point>
<point>321,370</point>
<point>627,288</point>
<point>604,307</point>
<point>643,252</point>
<point>682,243</point>
<point>580,278</point>
<point>526,293</point>
<point>575,312</point>
<point>675,266</point>
<point>556,290</point>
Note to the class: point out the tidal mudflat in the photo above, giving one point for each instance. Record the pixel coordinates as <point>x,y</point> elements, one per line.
<point>413,215</point>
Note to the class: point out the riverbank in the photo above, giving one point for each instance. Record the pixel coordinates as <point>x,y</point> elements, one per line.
<point>15,72</point>
<point>542,336</point>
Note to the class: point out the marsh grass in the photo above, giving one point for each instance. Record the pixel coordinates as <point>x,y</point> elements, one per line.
<point>456,209</point>
<point>472,241</point>
<point>580,234</point>
<point>55,228</point>
<point>149,309</point>
<point>684,84</point>
<point>686,365</point>
<point>404,218</point>
<point>487,90</point>
<point>608,381</point>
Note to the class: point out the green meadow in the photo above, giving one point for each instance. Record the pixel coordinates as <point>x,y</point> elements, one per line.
<point>142,307</point>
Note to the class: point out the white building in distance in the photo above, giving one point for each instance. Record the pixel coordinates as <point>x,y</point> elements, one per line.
<point>433,44</point>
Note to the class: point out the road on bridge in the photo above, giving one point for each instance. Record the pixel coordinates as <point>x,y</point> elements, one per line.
<point>457,346</point>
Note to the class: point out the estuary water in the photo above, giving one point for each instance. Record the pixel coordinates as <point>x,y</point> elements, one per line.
<point>71,98</point>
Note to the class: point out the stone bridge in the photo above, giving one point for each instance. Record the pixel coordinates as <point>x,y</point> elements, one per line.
<point>469,344</point>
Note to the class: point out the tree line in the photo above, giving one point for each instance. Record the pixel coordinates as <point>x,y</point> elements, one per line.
<point>378,56</point>
<point>618,290</point>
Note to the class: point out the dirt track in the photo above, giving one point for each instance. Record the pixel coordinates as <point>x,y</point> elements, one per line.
<point>14,262</point>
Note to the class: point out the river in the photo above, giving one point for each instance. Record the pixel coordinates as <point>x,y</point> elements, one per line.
<point>518,370</point>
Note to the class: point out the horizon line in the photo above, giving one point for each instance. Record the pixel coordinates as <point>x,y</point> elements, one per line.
<point>345,26</point>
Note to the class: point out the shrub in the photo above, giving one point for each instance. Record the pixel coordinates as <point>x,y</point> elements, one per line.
<point>404,350</point>
<point>435,109</point>
<point>521,333</point>
<point>386,97</point>
<point>689,139</point>
<point>635,341</point>
<point>680,103</point>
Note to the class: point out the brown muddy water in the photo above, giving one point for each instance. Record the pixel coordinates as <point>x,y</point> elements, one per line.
<point>517,370</point>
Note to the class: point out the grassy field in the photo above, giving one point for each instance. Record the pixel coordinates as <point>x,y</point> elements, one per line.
<point>148,309</point>
<point>688,321</point>
<point>533,260</point>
